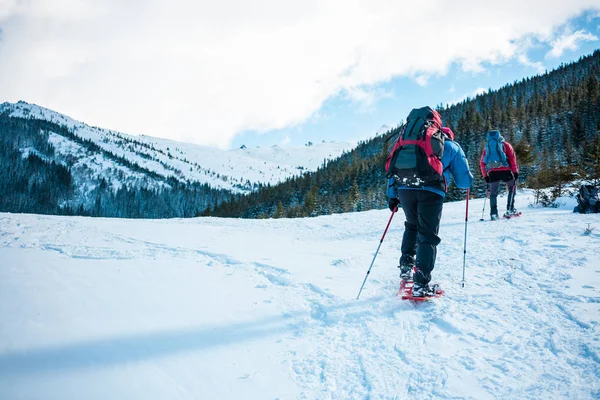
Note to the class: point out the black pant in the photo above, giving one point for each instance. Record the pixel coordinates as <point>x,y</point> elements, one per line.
<point>423,211</point>
<point>495,178</point>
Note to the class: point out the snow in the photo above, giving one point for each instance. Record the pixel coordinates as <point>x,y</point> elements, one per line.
<point>236,170</point>
<point>227,308</point>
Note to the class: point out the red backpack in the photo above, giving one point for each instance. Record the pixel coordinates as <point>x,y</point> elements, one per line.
<point>415,158</point>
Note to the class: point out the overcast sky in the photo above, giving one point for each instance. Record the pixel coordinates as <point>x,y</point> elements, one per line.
<point>221,72</point>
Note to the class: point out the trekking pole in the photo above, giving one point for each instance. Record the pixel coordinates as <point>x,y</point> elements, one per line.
<point>514,192</point>
<point>381,241</point>
<point>484,200</point>
<point>465,249</point>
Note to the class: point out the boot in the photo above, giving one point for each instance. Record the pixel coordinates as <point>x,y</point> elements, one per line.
<point>494,213</point>
<point>407,264</point>
<point>406,272</point>
<point>421,290</point>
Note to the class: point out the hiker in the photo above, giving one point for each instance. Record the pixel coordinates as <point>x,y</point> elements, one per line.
<point>499,163</point>
<point>422,196</point>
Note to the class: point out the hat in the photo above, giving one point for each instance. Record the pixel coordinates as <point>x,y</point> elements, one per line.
<point>448,132</point>
<point>495,134</point>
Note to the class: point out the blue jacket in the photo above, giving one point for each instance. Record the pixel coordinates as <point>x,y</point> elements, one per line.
<point>454,162</point>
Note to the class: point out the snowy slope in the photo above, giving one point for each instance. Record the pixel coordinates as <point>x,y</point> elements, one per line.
<point>259,309</point>
<point>237,170</point>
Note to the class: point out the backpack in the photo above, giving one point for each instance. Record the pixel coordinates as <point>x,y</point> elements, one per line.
<point>588,199</point>
<point>415,158</point>
<point>495,157</point>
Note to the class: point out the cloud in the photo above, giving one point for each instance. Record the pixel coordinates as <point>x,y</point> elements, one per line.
<point>537,65</point>
<point>366,97</point>
<point>422,80</point>
<point>568,41</point>
<point>7,7</point>
<point>203,71</point>
<point>592,16</point>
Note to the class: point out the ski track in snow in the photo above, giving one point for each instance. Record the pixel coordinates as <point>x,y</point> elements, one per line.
<point>220,308</point>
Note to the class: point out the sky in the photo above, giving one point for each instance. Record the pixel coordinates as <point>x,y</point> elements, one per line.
<point>101,308</point>
<point>270,72</point>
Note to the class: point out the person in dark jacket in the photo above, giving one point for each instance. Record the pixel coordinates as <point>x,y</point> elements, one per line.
<point>499,164</point>
<point>423,210</point>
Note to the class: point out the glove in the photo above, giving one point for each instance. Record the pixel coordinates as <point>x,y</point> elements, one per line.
<point>486,179</point>
<point>516,175</point>
<point>393,203</point>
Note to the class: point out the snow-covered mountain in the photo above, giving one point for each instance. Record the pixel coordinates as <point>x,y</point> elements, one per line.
<point>212,308</point>
<point>237,170</point>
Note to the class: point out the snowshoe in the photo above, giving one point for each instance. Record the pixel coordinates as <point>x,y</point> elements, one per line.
<point>511,214</point>
<point>421,293</point>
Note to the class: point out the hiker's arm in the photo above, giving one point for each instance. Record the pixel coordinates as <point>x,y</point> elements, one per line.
<point>482,165</point>
<point>511,158</point>
<point>459,168</point>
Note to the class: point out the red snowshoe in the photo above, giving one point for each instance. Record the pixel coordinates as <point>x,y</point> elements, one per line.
<point>406,291</point>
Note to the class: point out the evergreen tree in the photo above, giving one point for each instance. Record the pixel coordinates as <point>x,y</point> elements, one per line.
<point>591,161</point>
<point>280,211</point>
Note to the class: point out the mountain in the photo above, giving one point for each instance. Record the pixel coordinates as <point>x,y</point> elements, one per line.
<point>88,157</point>
<point>237,170</point>
<point>552,120</point>
<point>213,308</point>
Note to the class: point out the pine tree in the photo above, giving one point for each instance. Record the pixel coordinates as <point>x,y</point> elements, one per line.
<point>310,202</point>
<point>280,211</point>
<point>523,151</point>
<point>591,161</point>
<point>354,202</point>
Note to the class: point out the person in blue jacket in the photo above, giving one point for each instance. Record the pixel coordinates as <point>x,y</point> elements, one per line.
<point>423,210</point>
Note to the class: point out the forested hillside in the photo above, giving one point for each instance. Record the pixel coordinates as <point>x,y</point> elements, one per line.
<point>553,121</point>
<point>54,164</point>
<point>36,179</point>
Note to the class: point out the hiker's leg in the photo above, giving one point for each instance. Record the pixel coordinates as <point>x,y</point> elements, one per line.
<point>408,200</point>
<point>430,213</point>
<point>494,186</point>
<point>511,186</point>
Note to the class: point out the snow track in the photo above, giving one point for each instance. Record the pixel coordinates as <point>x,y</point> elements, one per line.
<point>226,308</point>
